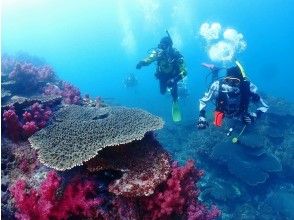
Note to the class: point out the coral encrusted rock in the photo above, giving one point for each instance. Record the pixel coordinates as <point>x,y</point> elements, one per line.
<point>79,133</point>
<point>144,165</point>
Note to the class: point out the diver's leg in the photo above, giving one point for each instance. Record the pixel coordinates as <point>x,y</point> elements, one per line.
<point>163,86</point>
<point>174,92</point>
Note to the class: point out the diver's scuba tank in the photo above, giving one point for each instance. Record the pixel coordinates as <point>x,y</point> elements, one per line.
<point>169,36</point>
<point>241,69</point>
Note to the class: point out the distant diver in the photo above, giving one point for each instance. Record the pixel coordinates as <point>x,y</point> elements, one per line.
<point>232,95</point>
<point>130,81</point>
<point>170,70</point>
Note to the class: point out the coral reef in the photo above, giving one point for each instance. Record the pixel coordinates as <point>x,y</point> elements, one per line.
<point>221,190</point>
<point>69,93</point>
<point>5,94</point>
<point>177,196</point>
<point>20,103</point>
<point>130,168</point>
<point>25,74</point>
<point>144,165</point>
<point>47,203</point>
<point>33,120</point>
<point>250,165</point>
<point>37,114</point>
<point>78,133</point>
<point>282,202</point>
<point>12,125</point>
<point>25,157</point>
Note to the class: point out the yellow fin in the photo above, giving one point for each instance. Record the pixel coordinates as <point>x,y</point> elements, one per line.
<point>176,112</point>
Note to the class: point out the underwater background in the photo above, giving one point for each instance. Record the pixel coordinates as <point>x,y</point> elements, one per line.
<point>94,45</point>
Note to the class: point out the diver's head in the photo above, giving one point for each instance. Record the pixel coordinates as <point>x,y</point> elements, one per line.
<point>234,76</point>
<point>165,43</point>
<point>235,72</point>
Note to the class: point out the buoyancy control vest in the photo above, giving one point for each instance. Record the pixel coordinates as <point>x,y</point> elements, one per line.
<point>167,63</point>
<point>233,100</point>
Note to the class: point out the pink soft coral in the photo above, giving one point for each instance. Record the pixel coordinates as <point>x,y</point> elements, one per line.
<point>43,203</point>
<point>69,93</point>
<point>13,127</point>
<point>178,196</point>
<point>31,121</point>
<point>38,114</point>
<point>35,119</point>
<point>29,74</point>
<point>29,128</point>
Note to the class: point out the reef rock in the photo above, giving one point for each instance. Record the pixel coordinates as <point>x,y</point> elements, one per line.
<point>248,164</point>
<point>144,165</point>
<point>21,102</point>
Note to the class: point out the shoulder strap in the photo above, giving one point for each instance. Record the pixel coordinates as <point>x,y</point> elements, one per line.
<point>220,100</point>
<point>245,96</point>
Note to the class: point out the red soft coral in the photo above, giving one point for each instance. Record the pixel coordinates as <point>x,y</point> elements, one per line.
<point>44,203</point>
<point>178,196</point>
<point>76,202</point>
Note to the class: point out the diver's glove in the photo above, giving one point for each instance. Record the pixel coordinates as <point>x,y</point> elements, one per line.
<point>246,119</point>
<point>202,123</point>
<point>140,64</point>
<point>170,82</point>
<point>249,118</point>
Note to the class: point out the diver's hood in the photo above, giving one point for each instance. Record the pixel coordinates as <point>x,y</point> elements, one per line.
<point>235,72</point>
<point>165,42</point>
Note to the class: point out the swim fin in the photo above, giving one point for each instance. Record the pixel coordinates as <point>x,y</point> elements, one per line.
<point>176,112</point>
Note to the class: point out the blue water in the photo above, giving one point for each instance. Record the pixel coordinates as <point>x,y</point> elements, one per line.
<point>83,41</point>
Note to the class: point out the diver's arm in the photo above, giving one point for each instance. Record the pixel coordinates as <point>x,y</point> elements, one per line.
<point>148,60</point>
<point>263,107</point>
<point>211,94</point>
<point>182,69</point>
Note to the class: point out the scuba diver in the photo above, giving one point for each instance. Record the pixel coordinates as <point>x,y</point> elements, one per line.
<point>130,81</point>
<point>232,95</point>
<point>170,70</point>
